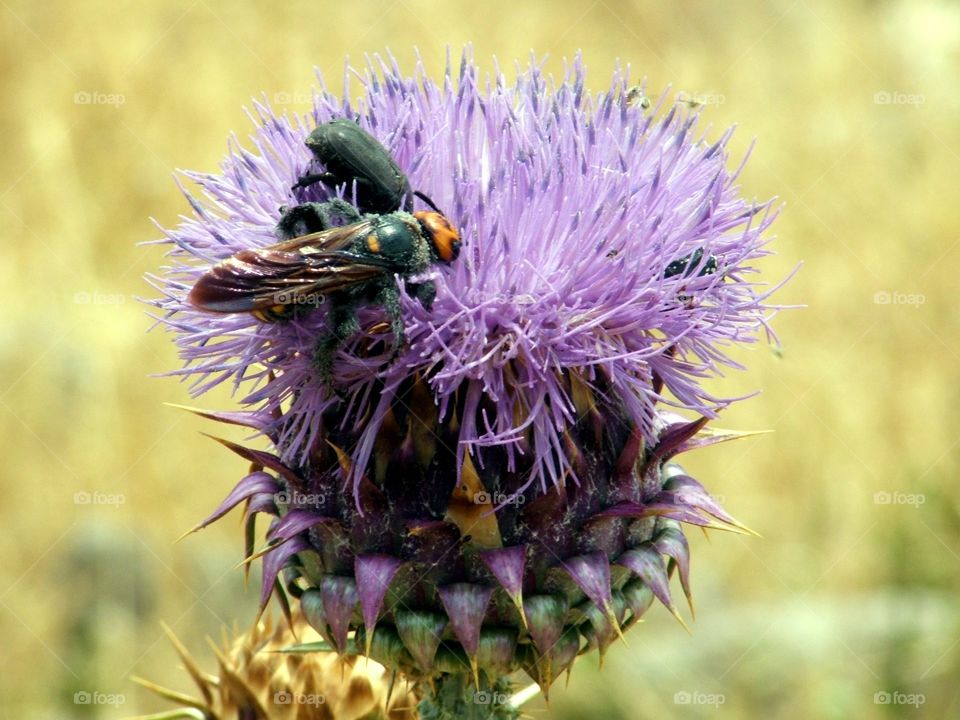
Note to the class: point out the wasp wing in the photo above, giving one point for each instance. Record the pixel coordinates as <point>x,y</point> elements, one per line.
<point>277,274</point>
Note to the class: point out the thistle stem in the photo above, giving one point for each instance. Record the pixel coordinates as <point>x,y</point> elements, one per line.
<point>454,697</point>
<point>521,697</point>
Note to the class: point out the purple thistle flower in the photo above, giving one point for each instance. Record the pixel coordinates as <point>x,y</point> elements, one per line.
<point>514,500</point>
<point>571,207</point>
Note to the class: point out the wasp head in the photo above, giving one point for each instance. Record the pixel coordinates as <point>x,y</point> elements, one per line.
<point>443,236</point>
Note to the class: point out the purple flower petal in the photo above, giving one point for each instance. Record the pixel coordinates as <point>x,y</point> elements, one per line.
<point>545,616</point>
<point>294,523</point>
<point>671,542</point>
<point>496,650</point>
<point>374,574</point>
<point>264,459</point>
<point>421,633</point>
<point>340,597</point>
<point>624,473</point>
<point>261,503</point>
<point>639,597</point>
<point>253,484</point>
<point>311,604</point>
<point>244,418</point>
<point>466,605</point>
<point>684,490</point>
<point>507,565</point>
<point>273,562</point>
<point>602,629</point>
<point>647,564</point>
<point>673,438</point>
<point>592,574</point>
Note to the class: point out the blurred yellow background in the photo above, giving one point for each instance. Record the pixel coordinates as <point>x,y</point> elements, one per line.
<point>848,599</point>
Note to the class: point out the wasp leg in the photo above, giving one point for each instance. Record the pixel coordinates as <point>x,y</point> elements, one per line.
<point>425,292</point>
<point>389,299</point>
<point>343,324</point>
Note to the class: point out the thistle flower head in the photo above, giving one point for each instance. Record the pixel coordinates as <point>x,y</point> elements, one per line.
<point>511,499</point>
<point>572,207</point>
<point>257,678</point>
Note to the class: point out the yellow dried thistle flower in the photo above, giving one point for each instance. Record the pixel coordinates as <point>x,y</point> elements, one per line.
<point>261,677</point>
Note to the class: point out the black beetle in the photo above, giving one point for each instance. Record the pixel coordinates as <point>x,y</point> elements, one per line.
<point>688,263</point>
<point>351,155</point>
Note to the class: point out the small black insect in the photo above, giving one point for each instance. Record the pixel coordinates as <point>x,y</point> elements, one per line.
<point>341,267</point>
<point>689,263</point>
<point>349,155</point>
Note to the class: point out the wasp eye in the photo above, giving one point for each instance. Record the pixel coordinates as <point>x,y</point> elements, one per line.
<point>447,245</point>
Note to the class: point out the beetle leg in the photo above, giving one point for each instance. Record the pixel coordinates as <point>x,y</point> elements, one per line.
<point>408,200</point>
<point>312,179</point>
